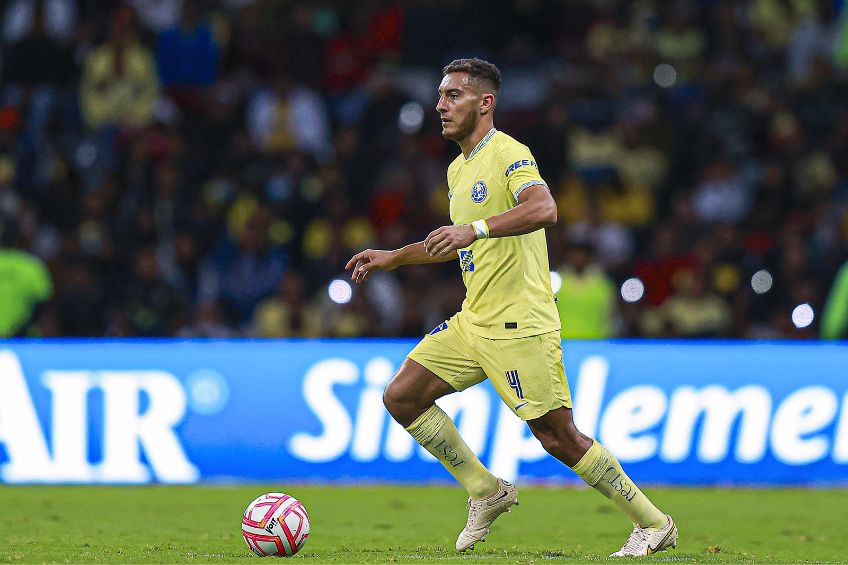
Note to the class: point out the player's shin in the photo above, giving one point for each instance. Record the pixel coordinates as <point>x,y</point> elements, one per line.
<point>601,470</point>
<point>437,433</point>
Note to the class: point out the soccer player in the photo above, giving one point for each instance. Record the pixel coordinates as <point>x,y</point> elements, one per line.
<point>508,327</point>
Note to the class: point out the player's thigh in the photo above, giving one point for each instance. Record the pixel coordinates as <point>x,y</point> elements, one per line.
<point>527,372</point>
<point>447,352</point>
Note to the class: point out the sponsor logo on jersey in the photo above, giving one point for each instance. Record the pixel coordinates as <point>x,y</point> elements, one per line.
<point>478,191</point>
<point>519,164</point>
<point>440,327</point>
<point>466,260</point>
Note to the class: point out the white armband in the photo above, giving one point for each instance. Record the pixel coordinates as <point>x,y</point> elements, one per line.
<point>481,229</point>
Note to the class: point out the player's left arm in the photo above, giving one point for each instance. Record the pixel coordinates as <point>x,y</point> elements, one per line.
<point>536,209</point>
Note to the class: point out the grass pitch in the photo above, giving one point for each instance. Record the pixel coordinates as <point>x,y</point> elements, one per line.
<point>412,525</point>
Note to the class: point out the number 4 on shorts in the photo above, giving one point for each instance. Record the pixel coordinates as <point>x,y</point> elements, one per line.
<point>514,383</point>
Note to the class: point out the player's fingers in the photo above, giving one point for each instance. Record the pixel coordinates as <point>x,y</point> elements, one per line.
<point>428,241</point>
<point>354,260</point>
<point>361,272</point>
<point>364,264</point>
<point>438,247</point>
<point>433,242</point>
<point>435,232</point>
<point>447,248</point>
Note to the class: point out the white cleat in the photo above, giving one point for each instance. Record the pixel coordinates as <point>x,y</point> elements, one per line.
<point>482,512</point>
<point>647,541</point>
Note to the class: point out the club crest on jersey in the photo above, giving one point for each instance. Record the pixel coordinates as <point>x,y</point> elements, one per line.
<point>478,192</point>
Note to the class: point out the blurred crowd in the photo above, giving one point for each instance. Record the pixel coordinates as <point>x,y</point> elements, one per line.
<point>206,168</point>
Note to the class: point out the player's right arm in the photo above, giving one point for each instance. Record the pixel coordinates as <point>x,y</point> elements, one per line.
<point>381,260</point>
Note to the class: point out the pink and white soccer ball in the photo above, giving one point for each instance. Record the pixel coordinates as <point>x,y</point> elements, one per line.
<point>275,524</point>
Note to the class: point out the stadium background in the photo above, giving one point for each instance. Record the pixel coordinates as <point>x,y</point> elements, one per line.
<point>177,168</point>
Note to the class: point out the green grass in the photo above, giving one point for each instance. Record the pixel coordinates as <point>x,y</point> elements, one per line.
<point>411,525</point>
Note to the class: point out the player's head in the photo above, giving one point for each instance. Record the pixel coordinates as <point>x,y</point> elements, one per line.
<point>467,95</point>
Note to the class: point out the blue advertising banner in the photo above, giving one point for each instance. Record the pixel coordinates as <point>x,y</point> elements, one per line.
<point>189,411</point>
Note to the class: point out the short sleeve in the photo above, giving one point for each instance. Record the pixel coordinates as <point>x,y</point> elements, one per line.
<point>520,169</point>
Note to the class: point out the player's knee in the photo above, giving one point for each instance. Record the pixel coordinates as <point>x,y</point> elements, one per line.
<point>395,400</point>
<point>390,399</point>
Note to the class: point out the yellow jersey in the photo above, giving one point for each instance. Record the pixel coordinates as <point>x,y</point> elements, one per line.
<point>507,279</point>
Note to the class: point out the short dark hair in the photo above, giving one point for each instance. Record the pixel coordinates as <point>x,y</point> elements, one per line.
<point>482,72</point>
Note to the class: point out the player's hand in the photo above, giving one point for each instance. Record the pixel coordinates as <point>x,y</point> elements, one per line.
<point>445,239</point>
<point>369,260</point>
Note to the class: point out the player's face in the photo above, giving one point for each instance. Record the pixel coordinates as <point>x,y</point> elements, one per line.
<point>459,106</point>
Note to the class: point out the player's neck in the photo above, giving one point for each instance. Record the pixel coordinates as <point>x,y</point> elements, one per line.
<point>469,143</point>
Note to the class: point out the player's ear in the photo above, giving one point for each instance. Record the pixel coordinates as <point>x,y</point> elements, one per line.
<point>487,104</point>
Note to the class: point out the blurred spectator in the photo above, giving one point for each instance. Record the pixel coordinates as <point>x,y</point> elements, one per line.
<point>288,116</point>
<point>775,19</point>
<point>613,243</point>
<point>151,306</point>
<point>813,37</point>
<point>679,41</point>
<point>332,238</point>
<point>118,86</point>
<point>82,302</point>
<point>615,199</point>
<point>286,313</point>
<point>38,65</point>
<point>208,323</point>
<point>834,319</point>
<point>187,54</point>
<point>25,283</point>
<point>693,310</point>
<point>355,318</point>
<point>723,195</point>
<point>56,19</point>
<point>244,268</point>
<point>663,265</point>
<point>586,300</point>
<point>118,89</point>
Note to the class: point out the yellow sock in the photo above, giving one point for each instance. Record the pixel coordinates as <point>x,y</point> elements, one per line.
<point>436,432</point>
<point>601,470</point>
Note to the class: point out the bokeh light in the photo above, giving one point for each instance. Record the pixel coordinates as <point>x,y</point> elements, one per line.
<point>802,315</point>
<point>411,118</point>
<point>762,281</point>
<point>632,290</point>
<point>340,291</point>
<point>665,75</point>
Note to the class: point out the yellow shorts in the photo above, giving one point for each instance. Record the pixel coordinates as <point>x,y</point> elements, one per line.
<point>527,372</point>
